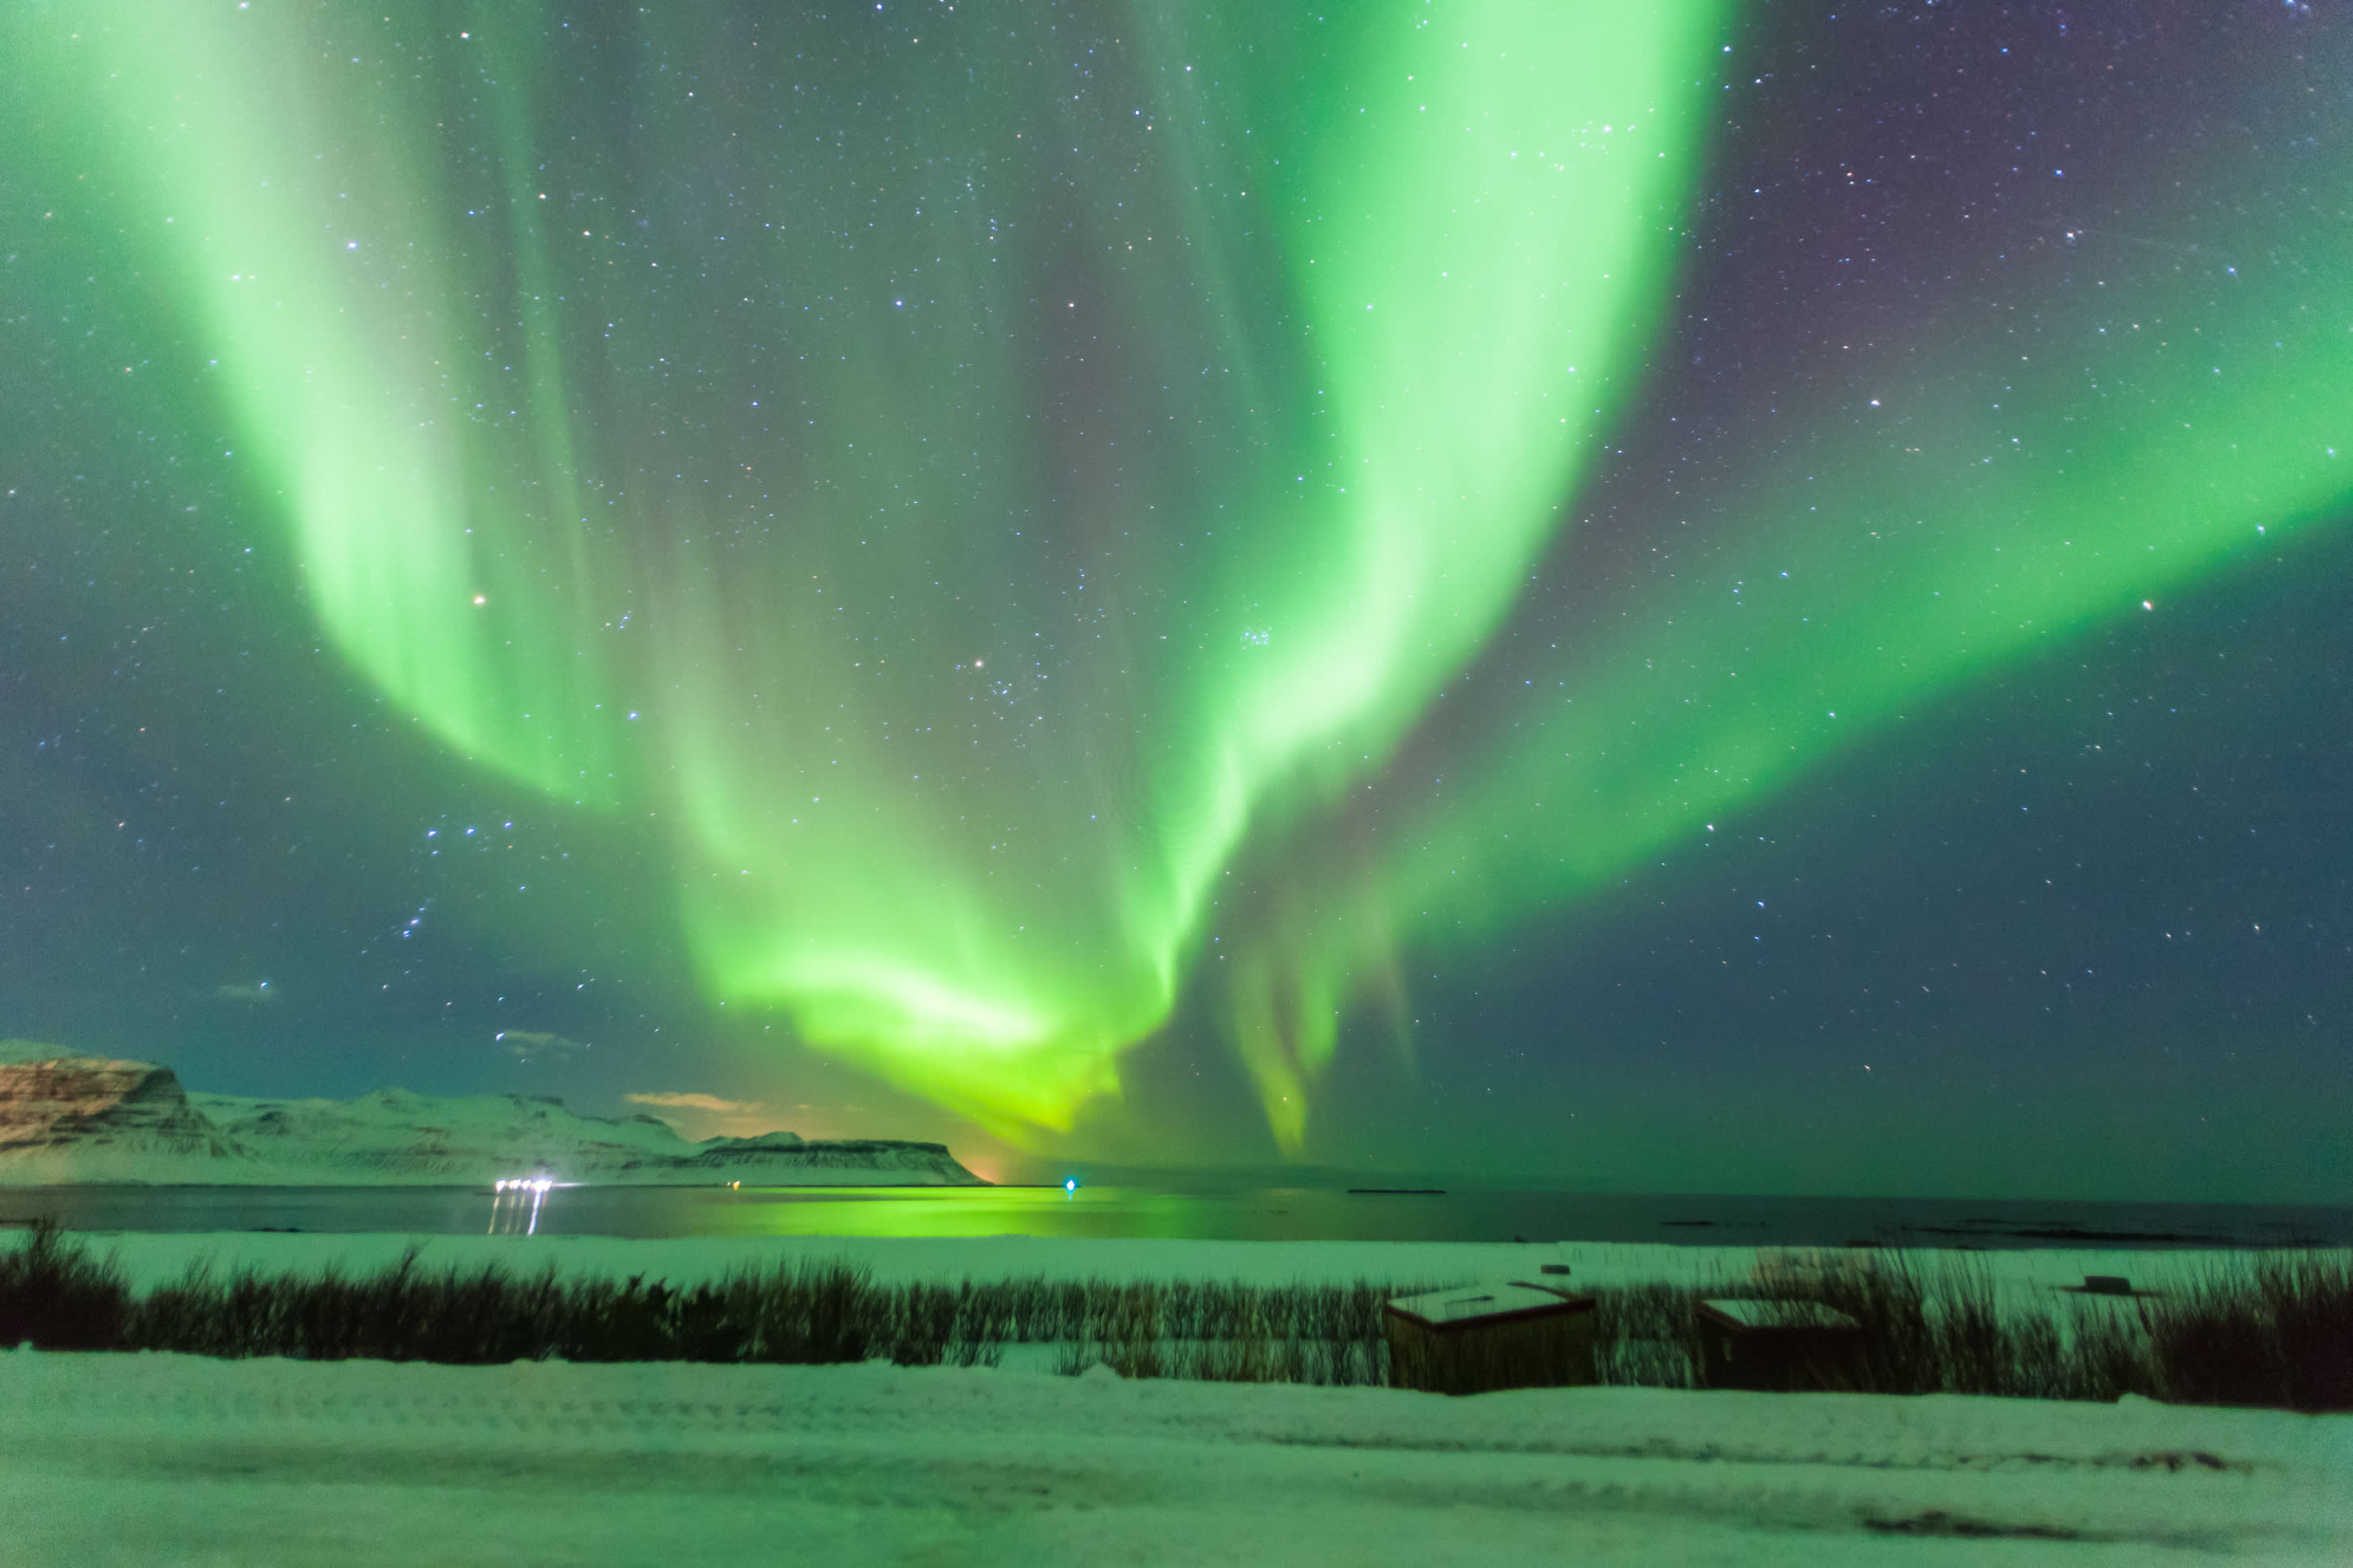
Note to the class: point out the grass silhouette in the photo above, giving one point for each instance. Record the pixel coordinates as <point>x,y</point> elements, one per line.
<point>2277,1332</point>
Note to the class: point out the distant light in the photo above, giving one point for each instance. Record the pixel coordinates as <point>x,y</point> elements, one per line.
<point>1070,1183</point>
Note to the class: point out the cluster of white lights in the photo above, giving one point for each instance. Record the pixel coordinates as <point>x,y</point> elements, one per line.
<point>536,1187</point>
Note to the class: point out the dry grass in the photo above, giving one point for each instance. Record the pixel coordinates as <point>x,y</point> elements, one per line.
<point>53,1294</point>
<point>2277,1332</point>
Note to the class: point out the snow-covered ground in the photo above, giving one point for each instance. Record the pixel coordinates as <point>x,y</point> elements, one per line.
<point>155,1458</point>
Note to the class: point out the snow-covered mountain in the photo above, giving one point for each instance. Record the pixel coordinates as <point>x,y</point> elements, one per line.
<point>68,1119</point>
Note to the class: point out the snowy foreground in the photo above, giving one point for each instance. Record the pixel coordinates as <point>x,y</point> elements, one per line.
<point>162,1459</point>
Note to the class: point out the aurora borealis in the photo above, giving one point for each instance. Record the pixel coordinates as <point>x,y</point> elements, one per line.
<point>1186,582</point>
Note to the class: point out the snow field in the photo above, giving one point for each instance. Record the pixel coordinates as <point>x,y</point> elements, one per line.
<point>164,1459</point>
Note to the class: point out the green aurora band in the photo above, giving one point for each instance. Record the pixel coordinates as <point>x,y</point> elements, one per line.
<point>2001,511</point>
<point>969,498</point>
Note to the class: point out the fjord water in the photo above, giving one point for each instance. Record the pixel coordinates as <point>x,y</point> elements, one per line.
<point>1201,1210</point>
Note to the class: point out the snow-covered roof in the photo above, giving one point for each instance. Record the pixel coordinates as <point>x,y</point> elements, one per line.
<point>1482,1303</point>
<point>1750,1314</point>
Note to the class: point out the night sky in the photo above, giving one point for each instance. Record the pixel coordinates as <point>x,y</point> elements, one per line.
<point>1660,599</point>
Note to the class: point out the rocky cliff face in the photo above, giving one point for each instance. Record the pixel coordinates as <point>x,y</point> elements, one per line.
<point>66,1119</point>
<point>60,1113</point>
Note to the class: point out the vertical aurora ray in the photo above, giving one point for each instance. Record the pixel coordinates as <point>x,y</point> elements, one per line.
<point>956,543</point>
<point>1480,225</point>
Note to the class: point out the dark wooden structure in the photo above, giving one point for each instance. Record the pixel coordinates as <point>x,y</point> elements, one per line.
<point>1486,1337</point>
<point>1781,1346</point>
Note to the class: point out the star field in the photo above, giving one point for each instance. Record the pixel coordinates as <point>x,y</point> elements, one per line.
<point>1677,597</point>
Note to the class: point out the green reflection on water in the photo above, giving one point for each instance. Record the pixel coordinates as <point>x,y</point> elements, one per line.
<point>1090,1212</point>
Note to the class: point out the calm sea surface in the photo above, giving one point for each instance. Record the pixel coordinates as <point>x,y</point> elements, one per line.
<point>1207,1212</point>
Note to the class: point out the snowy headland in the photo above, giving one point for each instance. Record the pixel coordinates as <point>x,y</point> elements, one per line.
<point>67,1119</point>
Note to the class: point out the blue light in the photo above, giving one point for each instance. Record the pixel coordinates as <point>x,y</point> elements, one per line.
<point>1071,1185</point>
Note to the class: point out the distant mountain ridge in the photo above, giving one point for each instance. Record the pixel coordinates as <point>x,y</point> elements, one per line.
<point>67,1119</point>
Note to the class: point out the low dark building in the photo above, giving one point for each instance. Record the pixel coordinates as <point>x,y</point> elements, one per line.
<point>1779,1345</point>
<point>1484,1337</point>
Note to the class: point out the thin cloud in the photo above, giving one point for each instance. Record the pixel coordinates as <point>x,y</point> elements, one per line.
<point>710,1103</point>
<point>536,1042</point>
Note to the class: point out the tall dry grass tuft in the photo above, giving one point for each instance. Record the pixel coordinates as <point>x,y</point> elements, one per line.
<point>1645,1336</point>
<point>1230,1333</point>
<point>55,1297</point>
<point>2281,1337</point>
